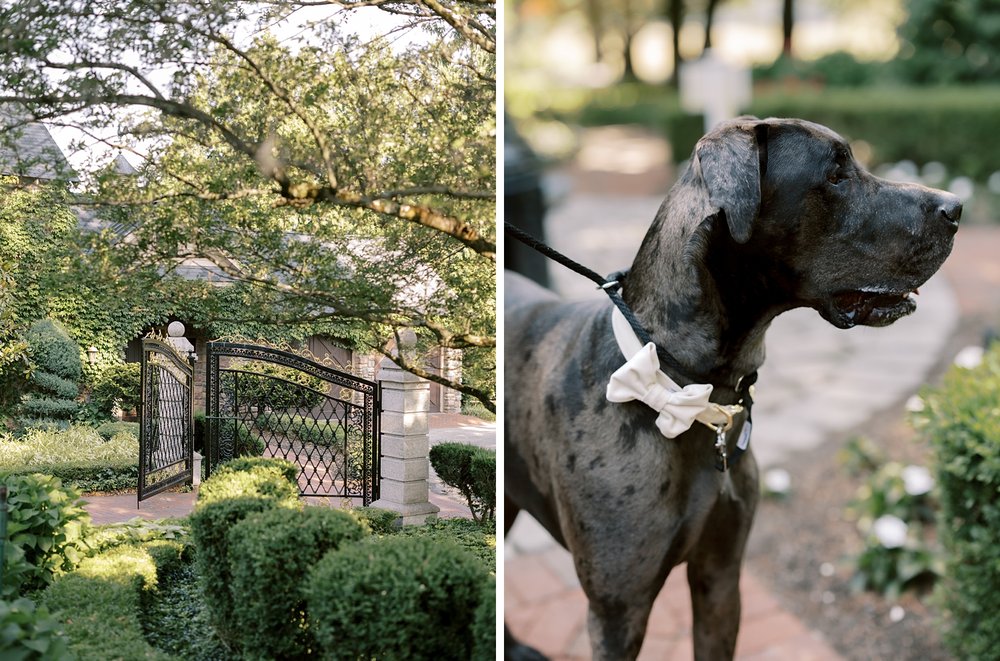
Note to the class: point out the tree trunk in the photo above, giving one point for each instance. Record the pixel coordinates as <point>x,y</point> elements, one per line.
<point>595,15</point>
<point>709,17</point>
<point>629,74</point>
<point>675,9</point>
<point>787,21</point>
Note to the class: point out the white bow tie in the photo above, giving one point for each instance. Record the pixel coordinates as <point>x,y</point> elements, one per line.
<point>641,379</point>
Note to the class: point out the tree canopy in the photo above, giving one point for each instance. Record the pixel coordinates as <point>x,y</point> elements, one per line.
<point>344,170</point>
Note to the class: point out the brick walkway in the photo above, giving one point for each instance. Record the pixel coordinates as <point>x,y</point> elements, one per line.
<point>547,608</point>
<point>113,509</point>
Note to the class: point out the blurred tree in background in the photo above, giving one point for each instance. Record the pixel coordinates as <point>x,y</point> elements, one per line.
<point>950,41</point>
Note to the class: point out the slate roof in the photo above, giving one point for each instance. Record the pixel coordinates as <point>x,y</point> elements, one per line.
<point>27,148</point>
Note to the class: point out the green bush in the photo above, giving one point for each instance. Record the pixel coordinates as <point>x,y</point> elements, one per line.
<point>249,443</point>
<point>479,539</point>
<point>306,429</point>
<point>484,623</point>
<point>956,126</point>
<point>960,421</point>
<point>135,531</point>
<point>471,470</point>
<point>275,387</point>
<point>237,489</point>
<point>55,361</point>
<point>52,350</point>
<point>109,430</point>
<point>30,634</point>
<point>270,555</point>
<point>100,604</point>
<point>251,475</point>
<point>395,598</point>
<point>48,408</point>
<point>379,521</point>
<point>117,385</point>
<point>77,455</point>
<point>58,386</point>
<point>45,529</point>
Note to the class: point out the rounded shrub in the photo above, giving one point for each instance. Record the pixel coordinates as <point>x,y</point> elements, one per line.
<point>52,350</point>
<point>109,430</point>
<point>236,490</point>
<point>117,385</point>
<point>960,420</point>
<point>251,476</point>
<point>210,525</point>
<point>484,623</point>
<point>395,598</point>
<point>471,470</point>
<point>270,555</point>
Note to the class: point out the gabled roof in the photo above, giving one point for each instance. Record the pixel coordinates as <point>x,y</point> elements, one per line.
<point>27,148</point>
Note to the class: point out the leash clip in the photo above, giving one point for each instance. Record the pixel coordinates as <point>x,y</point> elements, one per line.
<point>720,444</point>
<point>609,285</point>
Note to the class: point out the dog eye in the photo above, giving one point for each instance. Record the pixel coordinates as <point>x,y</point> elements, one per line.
<point>836,176</point>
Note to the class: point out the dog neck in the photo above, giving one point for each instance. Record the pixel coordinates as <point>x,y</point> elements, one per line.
<point>703,298</point>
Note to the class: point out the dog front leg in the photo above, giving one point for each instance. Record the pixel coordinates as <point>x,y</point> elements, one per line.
<point>714,573</point>
<point>617,628</point>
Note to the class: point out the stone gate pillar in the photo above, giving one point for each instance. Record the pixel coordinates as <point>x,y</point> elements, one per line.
<point>405,441</point>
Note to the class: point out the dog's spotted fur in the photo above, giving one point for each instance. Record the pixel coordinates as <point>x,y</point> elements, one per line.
<point>727,252</point>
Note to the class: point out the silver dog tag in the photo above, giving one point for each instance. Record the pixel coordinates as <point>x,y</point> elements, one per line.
<point>720,447</point>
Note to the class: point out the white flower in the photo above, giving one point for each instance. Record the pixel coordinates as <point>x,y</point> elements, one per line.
<point>917,480</point>
<point>777,481</point>
<point>969,357</point>
<point>890,531</point>
<point>915,404</point>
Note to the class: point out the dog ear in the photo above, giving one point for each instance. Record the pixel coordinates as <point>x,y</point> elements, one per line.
<point>731,159</point>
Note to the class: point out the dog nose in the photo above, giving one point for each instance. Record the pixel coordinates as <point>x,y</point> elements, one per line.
<point>950,210</point>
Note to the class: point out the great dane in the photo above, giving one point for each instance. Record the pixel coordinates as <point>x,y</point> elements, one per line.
<point>771,215</point>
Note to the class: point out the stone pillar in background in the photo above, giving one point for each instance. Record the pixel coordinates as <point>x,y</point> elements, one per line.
<point>405,440</point>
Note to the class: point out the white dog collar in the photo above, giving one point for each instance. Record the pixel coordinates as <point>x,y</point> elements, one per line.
<point>641,379</point>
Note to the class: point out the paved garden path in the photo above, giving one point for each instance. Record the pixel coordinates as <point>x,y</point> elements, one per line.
<point>443,427</point>
<point>818,382</point>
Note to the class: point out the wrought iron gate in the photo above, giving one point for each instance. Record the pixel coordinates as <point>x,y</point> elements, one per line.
<point>269,402</point>
<point>166,428</point>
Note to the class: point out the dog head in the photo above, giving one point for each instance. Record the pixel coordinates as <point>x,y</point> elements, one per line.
<point>819,230</point>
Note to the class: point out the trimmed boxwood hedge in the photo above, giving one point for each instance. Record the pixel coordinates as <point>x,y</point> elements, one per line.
<point>395,598</point>
<point>961,422</point>
<point>99,604</point>
<point>472,470</point>
<point>270,555</point>
<point>236,490</point>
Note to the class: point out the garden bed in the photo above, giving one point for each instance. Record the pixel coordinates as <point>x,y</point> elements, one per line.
<point>804,546</point>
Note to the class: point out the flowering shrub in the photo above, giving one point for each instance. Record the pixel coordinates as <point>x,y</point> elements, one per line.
<point>961,420</point>
<point>892,508</point>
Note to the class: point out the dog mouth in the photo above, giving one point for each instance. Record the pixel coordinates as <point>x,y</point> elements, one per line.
<point>869,307</point>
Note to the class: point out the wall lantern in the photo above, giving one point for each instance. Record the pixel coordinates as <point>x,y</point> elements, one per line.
<point>92,355</point>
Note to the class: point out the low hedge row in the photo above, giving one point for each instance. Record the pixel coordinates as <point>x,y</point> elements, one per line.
<point>100,604</point>
<point>472,470</point>
<point>236,490</point>
<point>78,456</point>
<point>284,582</point>
<point>962,423</point>
<point>956,126</point>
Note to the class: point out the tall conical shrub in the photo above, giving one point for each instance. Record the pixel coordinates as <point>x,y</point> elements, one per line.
<point>53,385</point>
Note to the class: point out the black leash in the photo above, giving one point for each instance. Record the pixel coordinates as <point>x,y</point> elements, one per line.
<point>611,286</point>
